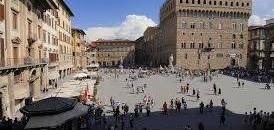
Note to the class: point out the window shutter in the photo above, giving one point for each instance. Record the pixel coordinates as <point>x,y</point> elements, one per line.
<point>2,52</point>
<point>2,12</point>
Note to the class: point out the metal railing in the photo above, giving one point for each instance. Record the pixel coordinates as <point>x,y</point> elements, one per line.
<point>22,62</point>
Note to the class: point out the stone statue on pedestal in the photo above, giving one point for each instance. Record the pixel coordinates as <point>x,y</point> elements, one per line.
<point>121,64</point>
<point>171,60</point>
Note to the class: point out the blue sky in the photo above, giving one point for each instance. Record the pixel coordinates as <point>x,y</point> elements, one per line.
<point>90,13</point>
<point>111,14</point>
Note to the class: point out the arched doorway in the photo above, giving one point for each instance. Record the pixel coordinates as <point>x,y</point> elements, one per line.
<point>233,62</point>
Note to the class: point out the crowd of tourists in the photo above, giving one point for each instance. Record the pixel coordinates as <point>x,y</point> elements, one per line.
<point>10,124</point>
<point>259,119</point>
<point>143,108</point>
<point>255,76</point>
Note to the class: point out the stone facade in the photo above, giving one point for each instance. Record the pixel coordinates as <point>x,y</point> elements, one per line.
<point>203,34</point>
<point>79,49</point>
<point>261,47</point>
<point>111,53</point>
<point>92,55</point>
<point>139,51</point>
<point>64,38</point>
<point>22,70</point>
<point>49,35</point>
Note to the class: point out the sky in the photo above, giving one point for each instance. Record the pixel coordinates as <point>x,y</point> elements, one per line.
<point>128,19</point>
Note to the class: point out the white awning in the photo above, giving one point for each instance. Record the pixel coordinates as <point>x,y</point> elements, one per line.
<point>94,66</point>
<point>53,75</point>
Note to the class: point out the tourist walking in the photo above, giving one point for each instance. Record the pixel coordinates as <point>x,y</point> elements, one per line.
<point>198,95</point>
<point>171,104</point>
<point>165,108</point>
<point>211,105</point>
<point>136,111</point>
<point>148,109</point>
<point>126,109</point>
<point>202,107</point>
<point>117,113</point>
<point>223,103</point>
<point>220,91</point>
<point>214,88</point>
<point>187,88</point>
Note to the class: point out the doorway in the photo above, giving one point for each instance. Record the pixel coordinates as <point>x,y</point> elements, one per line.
<point>233,62</point>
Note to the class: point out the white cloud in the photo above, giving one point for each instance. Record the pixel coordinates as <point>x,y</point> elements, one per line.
<point>131,28</point>
<point>256,20</point>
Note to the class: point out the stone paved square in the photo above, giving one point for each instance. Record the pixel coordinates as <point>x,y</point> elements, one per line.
<point>164,88</point>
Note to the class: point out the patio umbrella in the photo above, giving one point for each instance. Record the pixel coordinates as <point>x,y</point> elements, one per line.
<point>80,75</point>
<point>53,121</point>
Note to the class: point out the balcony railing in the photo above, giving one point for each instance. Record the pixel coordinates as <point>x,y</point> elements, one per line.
<point>32,38</point>
<point>23,62</point>
<point>207,49</point>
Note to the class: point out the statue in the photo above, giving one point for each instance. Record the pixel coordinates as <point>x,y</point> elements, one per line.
<point>121,64</point>
<point>171,60</point>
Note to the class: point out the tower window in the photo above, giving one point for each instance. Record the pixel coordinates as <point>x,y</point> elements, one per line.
<point>186,56</point>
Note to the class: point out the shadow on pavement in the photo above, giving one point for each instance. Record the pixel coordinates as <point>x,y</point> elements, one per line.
<point>178,120</point>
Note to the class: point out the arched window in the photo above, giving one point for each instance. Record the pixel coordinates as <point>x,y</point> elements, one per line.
<point>220,3</point>
<point>204,1</point>
<point>209,44</point>
<point>243,4</point>
<point>226,3</point>
<point>181,1</point>
<point>201,45</point>
<point>186,1</point>
<point>209,3</point>
<point>233,45</point>
<point>234,36</point>
<point>220,45</point>
<point>193,1</point>
<point>183,24</point>
<point>247,4</point>
<point>215,2</point>
<point>199,1</point>
<point>237,3</point>
<point>231,4</point>
<point>220,26</point>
